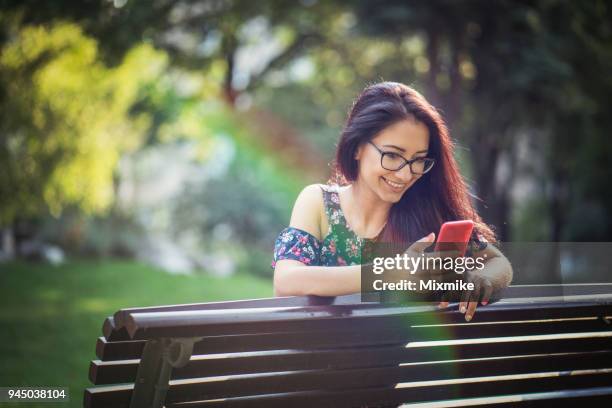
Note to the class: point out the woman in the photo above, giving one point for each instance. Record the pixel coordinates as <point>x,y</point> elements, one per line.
<point>400,183</point>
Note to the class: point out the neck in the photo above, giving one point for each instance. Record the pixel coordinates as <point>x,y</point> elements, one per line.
<point>367,211</point>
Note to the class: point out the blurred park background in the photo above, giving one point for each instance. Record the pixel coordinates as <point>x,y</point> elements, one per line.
<point>151,151</point>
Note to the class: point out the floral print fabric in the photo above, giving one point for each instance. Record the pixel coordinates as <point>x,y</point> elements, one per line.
<point>297,244</point>
<point>341,246</point>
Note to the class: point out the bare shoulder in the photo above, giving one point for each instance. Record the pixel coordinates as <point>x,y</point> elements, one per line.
<point>306,214</point>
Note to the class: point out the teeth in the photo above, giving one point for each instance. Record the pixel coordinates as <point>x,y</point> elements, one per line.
<point>392,184</point>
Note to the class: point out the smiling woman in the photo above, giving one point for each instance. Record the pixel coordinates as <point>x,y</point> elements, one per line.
<point>397,182</point>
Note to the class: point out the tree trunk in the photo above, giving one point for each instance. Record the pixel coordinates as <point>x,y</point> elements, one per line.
<point>494,205</point>
<point>433,43</point>
<point>229,46</point>
<point>8,244</point>
<point>557,209</point>
<point>229,93</point>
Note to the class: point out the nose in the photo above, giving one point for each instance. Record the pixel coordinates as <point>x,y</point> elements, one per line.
<point>404,174</point>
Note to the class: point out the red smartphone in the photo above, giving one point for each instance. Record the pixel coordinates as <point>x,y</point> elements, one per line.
<point>454,236</point>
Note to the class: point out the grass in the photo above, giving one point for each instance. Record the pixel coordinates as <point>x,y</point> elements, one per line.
<point>50,316</point>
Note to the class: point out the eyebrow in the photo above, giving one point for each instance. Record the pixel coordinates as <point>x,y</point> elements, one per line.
<point>395,147</point>
<point>404,150</point>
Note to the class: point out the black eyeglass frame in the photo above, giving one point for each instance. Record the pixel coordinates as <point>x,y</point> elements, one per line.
<point>406,161</point>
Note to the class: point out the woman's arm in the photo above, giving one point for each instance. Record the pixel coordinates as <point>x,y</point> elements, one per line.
<point>293,278</point>
<point>497,267</point>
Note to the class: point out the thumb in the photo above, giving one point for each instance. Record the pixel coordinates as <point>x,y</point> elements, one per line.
<point>429,238</point>
<point>423,243</point>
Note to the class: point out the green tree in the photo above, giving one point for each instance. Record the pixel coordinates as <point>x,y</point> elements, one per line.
<point>65,119</point>
<point>201,35</point>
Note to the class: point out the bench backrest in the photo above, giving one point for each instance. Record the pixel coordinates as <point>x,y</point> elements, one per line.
<point>313,351</point>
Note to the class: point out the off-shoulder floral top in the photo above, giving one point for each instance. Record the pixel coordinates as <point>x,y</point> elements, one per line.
<point>341,246</point>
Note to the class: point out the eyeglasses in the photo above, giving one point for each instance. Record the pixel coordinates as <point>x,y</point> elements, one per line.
<point>393,162</point>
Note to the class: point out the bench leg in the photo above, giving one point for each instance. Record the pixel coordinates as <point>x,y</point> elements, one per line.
<point>153,377</point>
<point>155,369</point>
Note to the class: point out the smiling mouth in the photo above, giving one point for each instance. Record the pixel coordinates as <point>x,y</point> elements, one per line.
<point>394,185</point>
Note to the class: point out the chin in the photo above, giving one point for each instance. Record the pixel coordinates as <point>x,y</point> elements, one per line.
<point>389,196</point>
<point>393,198</point>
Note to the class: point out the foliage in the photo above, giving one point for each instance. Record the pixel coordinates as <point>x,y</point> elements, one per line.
<point>64,119</point>
<point>499,72</point>
<point>242,209</point>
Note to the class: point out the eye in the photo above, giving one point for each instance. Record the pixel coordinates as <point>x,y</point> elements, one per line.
<point>392,155</point>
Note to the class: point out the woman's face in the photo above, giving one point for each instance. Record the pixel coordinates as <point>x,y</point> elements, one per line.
<point>407,138</point>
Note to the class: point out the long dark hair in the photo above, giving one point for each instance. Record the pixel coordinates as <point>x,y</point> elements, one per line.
<point>438,196</point>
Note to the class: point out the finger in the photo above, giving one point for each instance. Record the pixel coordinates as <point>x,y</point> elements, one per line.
<point>487,292</point>
<point>443,300</point>
<point>422,244</point>
<point>465,297</point>
<point>471,310</point>
<point>468,295</point>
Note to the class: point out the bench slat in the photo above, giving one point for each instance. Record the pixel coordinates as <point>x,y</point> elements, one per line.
<point>380,376</point>
<point>359,337</point>
<point>287,301</point>
<point>540,399</point>
<point>118,350</point>
<point>567,289</point>
<point>286,360</point>
<point>421,395</point>
<point>112,332</point>
<point>117,322</point>
<point>266,316</point>
<point>250,321</point>
<point>565,397</point>
<point>278,382</point>
<point>415,392</point>
<point>516,291</point>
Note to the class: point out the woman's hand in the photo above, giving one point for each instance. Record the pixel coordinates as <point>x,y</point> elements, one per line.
<point>483,289</point>
<point>426,270</point>
<point>414,251</point>
<point>496,275</point>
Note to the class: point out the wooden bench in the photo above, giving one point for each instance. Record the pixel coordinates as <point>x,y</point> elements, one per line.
<point>552,349</point>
